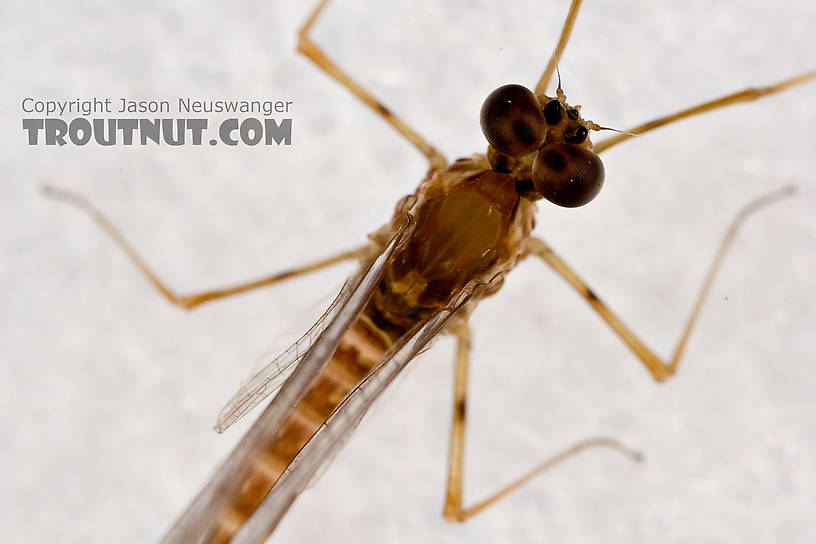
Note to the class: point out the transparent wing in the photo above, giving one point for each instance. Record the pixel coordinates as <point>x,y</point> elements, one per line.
<point>272,376</point>
<point>335,431</point>
<point>194,524</point>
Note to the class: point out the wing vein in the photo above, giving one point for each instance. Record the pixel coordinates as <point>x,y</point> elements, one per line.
<point>208,506</point>
<point>332,434</point>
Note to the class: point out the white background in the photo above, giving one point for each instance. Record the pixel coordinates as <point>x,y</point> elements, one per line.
<point>108,393</point>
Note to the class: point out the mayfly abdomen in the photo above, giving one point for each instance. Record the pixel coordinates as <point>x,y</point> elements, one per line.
<point>361,348</point>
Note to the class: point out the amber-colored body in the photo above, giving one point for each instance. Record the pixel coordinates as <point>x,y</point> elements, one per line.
<point>360,349</point>
<point>470,223</point>
<point>452,241</point>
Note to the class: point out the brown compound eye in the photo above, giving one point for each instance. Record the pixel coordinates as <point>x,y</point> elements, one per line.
<point>567,175</point>
<point>512,120</point>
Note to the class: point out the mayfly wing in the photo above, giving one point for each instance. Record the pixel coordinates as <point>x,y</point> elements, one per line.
<point>196,520</point>
<point>332,434</point>
<point>272,376</point>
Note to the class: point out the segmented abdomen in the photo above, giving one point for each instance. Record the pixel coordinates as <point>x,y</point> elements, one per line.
<point>361,348</point>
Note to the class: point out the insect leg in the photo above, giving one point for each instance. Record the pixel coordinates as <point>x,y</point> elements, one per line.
<point>192,300</point>
<point>456,452</point>
<point>306,46</point>
<point>566,30</point>
<point>660,370</point>
<point>745,95</point>
<point>453,510</point>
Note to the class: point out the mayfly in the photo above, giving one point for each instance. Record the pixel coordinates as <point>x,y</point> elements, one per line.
<point>448,245</point>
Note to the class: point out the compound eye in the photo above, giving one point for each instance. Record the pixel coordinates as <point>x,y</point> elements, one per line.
<point>567,175</point>
<point>512,120</point>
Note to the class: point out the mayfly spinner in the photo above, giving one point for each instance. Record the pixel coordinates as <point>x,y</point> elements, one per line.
<point>448,245</point>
